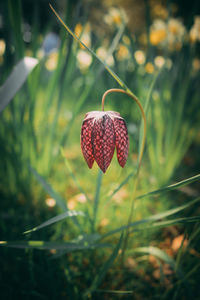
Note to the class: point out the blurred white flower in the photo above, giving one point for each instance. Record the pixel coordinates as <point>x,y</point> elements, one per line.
<point>103,54</point>
<point>51,62</point>
<point>50,202</point>
<point>84,59</point>
<point>115,16</point>
<point>159,61</point>
<point>176,34</point>
<point>139,57</point>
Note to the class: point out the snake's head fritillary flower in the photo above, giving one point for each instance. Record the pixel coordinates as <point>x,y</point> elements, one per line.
<point>101,132</point>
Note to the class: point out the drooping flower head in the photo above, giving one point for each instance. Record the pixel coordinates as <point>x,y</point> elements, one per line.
<point>101,132</point>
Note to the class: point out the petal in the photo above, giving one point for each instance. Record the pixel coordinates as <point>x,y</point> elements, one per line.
<point>122,141</point>
<point>103,140</point>
<point>86,143</point>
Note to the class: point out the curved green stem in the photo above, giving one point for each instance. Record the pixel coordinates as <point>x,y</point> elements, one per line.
<point>142,112</point>
<point>139,160</point>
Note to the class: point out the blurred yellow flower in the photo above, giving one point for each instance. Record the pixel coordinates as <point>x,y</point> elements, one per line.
<point>196,64</point>
<point>2,47</point>
<point>122,52</point>
<point>159,61</point>
<point>170,34</point>
<point>157,36</point>
<point>85,38</point>
<point>84,59</point>
<point>84,34</point>
<point>104,222</point>
<point>71,204</point>
<point>51,62</point>
<point>195,30</point>
<point>78,29</point>
<point>149,68</point>
<point>50,202</point>
<point>139,57</point>
<point>158,32</point>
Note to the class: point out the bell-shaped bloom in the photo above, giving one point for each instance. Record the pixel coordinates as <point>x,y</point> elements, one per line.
<point>101,132</point>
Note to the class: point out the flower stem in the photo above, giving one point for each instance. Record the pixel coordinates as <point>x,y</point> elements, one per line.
<point>130,94</point>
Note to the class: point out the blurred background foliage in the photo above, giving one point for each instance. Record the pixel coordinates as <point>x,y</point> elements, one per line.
<point>153,46</point>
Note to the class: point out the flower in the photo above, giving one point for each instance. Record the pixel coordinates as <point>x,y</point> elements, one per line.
<point>84,59</point>
<point>103,54</point>
<point>51,62</point>
<point>115,16</point>
<point>159,61</point>
<point>122,52</point>
<point>195,30</point>
<point>139,57</point>
<point>149,68</point>
<point>158,32</point>
<point>101,132</point>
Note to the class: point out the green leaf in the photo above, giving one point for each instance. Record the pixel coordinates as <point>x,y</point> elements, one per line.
<point>173,222</point>
<point>113,292</point>
<point>171,187</point>
<point>58,218</point>
<point>16,80</point>
<point>155,252</point>
<point>102,272</point>
<point>152,218</point>
<point>59,200</point>
<point>96,198</point>
<point>42,245</point>
<point>112,73</point>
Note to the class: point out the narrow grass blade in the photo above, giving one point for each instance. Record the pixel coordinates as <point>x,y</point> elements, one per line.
<point>114,292</point>
<point>16,80</point>
<point>157,253</point>
<point>96,199</point>
<point>177,221</point>
<point>167,223</point>
<point>86,239</point>
<point>42,245</point>
<point>171,187</point>
<point>102,272</point>
<point>112,73</point>
<point>152,218</point>
<point>59,200</point>
<point>125,181</point>
<point>56,219</point>
<point>73,176</point>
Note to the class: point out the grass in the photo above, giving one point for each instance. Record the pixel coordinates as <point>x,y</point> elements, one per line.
<point>51,201</point>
